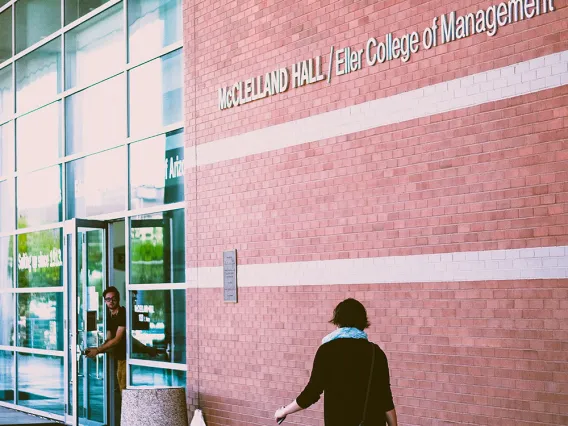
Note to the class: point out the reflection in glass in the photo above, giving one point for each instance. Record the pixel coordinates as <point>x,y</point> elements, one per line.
<point>157,170</point>
<point>39,197</point>
<point>156,94</point>
<point>40,382</point>
<point>7,323</point>
<point>157,244</point>
<point>6,376</point>
<point>6,263</point>
<point>38,137</point>
<point>35,20</point>
<point>6,93</point>
<point>158,321</point>
<point>74,9</point>
<point>87,110</point>
<point>40,321</point>
<point>6,149</point>
<point>96,184</point>
<point>154,377</point>
<point>152,25</point>
<point>5,34</point>
<point>95,48</point>
<point>7,208</point>
<point>38,76</point>
<point>39,259</point>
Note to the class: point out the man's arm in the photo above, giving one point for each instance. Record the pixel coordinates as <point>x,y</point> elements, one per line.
<point>108,344</point>
<point>391,417</point>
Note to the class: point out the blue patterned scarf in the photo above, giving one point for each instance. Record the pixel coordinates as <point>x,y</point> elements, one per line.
<point>345,333</point>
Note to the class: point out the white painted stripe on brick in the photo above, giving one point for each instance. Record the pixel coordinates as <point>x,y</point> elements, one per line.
<point>515,80</point>
<point>528,263</point>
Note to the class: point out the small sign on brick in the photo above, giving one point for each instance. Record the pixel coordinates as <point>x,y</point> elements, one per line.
<point>230,276</point>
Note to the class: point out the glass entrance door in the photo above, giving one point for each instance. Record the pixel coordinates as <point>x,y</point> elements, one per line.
<point>88,378</point>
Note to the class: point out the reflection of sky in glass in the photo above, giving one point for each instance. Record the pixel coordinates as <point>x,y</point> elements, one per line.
<point>41,376</point>
<point>96,184</point>
<point>95,48</point>
<point>153,24</point>
<point>155,94</point>
<point>6,97</point>
<point>147,162</point>
<point>7,206</point>
<point>39,189</point>
<point>6,263</point>
<point>7,323</point>
<point>7,148</point>
<point>37,76</point>
<point>39,137</point>
<point>86,112</point>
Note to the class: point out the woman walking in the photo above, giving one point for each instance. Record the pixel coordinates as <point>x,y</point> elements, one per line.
<point>352,373</point>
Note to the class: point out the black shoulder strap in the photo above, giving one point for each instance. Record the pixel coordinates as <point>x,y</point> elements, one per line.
<point>369,385</point>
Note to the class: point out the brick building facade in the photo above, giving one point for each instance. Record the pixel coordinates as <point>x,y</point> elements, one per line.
<point>434,190</point>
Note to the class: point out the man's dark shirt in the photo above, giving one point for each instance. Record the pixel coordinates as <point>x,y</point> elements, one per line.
<point>341,370</point>
<point>113,322</point>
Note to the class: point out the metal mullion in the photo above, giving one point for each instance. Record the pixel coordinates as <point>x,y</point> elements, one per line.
<point>163,286</point>
<point>46,227</point>
<point>157,132</point>
<point>66,324</point>
<point>24,350</point>
<point>163,51</point>
<point>30,290</point>
<point>32,411</point>
<point>128,297</point>
<point>91,14</point>
<point>159,364</point>
<point>5,7</point>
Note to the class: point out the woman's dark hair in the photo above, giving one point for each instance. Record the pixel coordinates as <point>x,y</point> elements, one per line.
<point>111,290</point>
<point>350,313</point>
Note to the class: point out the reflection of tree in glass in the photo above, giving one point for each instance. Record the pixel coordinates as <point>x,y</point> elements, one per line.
<point>34,244</point>
<point>147,263</point>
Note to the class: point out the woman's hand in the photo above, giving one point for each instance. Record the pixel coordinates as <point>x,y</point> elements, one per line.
<point>281,412</point>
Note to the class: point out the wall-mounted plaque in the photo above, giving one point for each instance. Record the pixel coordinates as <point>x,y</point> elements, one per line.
<point>230,276</point>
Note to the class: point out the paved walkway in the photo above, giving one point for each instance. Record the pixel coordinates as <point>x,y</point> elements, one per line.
<point>17,418</point>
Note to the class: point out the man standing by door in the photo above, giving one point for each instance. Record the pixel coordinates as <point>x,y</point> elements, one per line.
<point>115,342</point>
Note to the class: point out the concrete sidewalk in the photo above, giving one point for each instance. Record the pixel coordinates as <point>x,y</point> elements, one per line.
<point>17,418</point>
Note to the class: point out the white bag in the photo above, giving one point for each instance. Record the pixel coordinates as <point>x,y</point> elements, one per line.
<point>197,419</point>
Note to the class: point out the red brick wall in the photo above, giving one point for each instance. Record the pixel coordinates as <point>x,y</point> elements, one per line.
<point>489,177</point>
<point>459,353</point>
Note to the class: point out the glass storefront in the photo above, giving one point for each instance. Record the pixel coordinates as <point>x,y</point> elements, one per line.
<point>91,135</point>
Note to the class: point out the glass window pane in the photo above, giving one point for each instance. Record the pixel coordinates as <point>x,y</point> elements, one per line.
<point>6,263</point>
<point>35,20</point>
<point>7,207</point>
<point>158,322</point>
<point>95,48</point>
<point>154,377</point>
<point>7,148</point>
<point>40,382</point>
<point>38,76</point>
<point>39,197</point>
<point>74,9</point>
<point>39,259</point>
<point>86,110</point>
<point>152,25</point>
<point>7,323</point>
<point>6,34</point>
<point>42,125</point>
<point>6,376</point>
<point>156,94</point>
<point>157,170</point>
<point>157,244</point>
<point>97,184</point>
<point>6,92</point>
<point>40,321</point>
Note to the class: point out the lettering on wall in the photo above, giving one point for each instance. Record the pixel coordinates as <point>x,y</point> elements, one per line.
<point>444,29</point>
